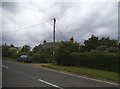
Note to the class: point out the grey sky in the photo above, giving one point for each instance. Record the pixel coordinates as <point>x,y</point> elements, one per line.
<point>77,19</point>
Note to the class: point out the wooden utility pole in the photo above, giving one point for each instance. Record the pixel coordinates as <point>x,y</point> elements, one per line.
<point>54,41</point>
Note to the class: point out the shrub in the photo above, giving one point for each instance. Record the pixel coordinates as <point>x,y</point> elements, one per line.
<point>42,58</point>
<point>63,57</point>
<point>96,60</point>
<point>103,61</point>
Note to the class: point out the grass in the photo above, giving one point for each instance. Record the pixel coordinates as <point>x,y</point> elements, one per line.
<point>9,59</point>
<point>100,74</point>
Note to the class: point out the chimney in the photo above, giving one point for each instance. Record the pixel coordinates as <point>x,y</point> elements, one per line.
<point>72,39</point>
<point>44,41</point>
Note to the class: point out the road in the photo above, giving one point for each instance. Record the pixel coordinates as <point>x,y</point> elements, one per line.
<point>21,75</point>
<point>0,72</point>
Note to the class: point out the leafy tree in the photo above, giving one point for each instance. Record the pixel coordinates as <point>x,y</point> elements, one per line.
<point>12,45</point>
<point>26,48</point>
<point>9,51</point>
<point>5,50</point>
<point>69,46</point>
<point>92,43</point>
<point>118,45</point>
<point>37,48</point>
<point>108,42</point>
<point>101,48</point>
<point>63,52</point>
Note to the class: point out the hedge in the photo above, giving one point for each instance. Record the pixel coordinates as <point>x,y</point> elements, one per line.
<point>102,61</point>
<point>42,58</point>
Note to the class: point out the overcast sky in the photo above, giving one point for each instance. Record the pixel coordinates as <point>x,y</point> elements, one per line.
<point>32,22</point>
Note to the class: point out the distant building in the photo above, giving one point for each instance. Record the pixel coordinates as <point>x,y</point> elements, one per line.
<point>72,39</point>
<point>0,51</point>
<point>14,49</point>
<point>48,46</point>
<point>44,41</point>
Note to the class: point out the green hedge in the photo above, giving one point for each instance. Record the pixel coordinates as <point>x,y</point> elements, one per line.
<point>102,61</point>
<point>42,58</point>
<point>63,57</point>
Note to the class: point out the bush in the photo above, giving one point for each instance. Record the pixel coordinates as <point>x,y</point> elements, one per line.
<point>15,56</point>
<point>5,51</point>
<point>64,58</point>
<point>101,48</point>
<point>42,58</point>
<point>96,60</point>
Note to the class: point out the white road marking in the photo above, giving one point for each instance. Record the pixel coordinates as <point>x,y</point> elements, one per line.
<point>98,80</point>
<point>49,83</point>
<point>93,79</point>
<point>5,66</point>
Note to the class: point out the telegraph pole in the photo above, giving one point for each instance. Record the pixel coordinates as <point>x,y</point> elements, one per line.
<point>54,41</point>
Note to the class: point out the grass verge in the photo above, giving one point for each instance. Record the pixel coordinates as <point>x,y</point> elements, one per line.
<point>100,74</point>
<point>9,59</point>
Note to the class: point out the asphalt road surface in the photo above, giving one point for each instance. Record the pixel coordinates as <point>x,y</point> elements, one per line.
<point>22,75</point>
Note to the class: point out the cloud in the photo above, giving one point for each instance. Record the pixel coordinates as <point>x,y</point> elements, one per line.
<point>78,19</point>
<point>0,23</point>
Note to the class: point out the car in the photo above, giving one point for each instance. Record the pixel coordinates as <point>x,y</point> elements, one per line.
<point>24,58</point>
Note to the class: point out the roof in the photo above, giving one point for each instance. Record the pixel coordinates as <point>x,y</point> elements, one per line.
<point>50,45</point>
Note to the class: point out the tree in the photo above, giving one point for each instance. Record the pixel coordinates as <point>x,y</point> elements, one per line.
<point>69,46</point>
<point>63,53</point>
<point>118,45</point>
<point>5,50</point>
<point>12,45</point>
<point>101,48</point>
<point>92,43</point>
<point>37,48</point>
<point>26,48</point>
<point>108,42</point>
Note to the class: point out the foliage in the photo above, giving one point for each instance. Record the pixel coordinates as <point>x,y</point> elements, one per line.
<point>118,45</point>
<point>42,58</point>
<point>5,50</point>
<point>113,50</point>
<point>9,51</point>
<point>108,43</point>
<point>37,48</point>
<point>100,44</point>
<point>101,48</point>
<point>62,53</point>
<point>92,43</point>
<point>102,61</point>
<point>12,45</point>
<point>99,57</point>
<point>95,53</point>
<point>69,46</point>
<point>26,48</point>
<point>13,52</point>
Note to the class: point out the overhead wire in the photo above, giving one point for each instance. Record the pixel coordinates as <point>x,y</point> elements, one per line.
<point>26,28</point>
<point>30,44</point>
<point>62,35</point>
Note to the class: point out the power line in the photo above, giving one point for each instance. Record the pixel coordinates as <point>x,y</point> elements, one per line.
<point>25,28</point>
<point>66,26</point>
<point>61,33</point>
<point>30,44</point>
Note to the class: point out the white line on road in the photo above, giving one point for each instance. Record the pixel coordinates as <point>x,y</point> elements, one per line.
<point>84,77</point>
<point>49,83</point>
<point>103,81</point>
<point>5,66</point>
